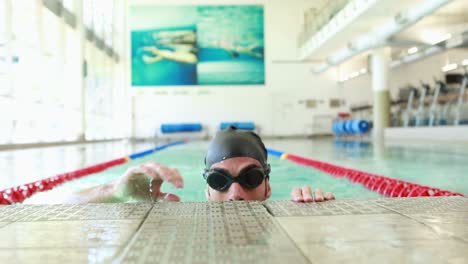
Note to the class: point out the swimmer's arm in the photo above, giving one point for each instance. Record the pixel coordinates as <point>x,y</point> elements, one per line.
<point>141,182</point>
<point>152,49</point>
<point>149,60</point>
<point>253,46</point>
<point>105,193</point>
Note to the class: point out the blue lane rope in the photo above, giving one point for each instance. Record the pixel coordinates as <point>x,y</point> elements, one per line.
<point>158,148</point>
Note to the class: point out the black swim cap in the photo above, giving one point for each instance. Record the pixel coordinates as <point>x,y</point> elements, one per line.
<point>230,143</point>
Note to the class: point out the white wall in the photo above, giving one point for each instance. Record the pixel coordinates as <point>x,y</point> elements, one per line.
<point>43,94</point>
<point>277,107</point>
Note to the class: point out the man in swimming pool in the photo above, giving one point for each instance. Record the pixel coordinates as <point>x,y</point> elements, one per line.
<point>236,168</point>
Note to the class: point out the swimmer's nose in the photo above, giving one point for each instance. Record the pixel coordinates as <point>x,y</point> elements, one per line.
<point>236,192</point>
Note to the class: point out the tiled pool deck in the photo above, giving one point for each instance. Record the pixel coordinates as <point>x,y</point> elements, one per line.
<point>406,230</point>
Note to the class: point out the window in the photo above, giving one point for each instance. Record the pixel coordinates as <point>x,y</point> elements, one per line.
<point>69,5</point>
<point>24,21</point>
<point>5,83</point>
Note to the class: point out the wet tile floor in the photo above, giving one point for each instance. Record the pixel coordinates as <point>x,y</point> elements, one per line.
<point>407,230</point>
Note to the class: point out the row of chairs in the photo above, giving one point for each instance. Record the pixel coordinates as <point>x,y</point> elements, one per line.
<point>442,105</point>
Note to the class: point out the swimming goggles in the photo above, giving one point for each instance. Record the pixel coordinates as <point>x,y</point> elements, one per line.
<point>250,178</point>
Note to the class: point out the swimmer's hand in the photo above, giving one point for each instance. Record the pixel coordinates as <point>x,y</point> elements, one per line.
<point>144,182</point>
<point>304,195</point>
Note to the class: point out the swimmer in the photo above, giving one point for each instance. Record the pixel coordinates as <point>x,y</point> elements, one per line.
<point>235,51</point>
<point>176,55</point>
<point>176,37</point>
<point>236,168</point>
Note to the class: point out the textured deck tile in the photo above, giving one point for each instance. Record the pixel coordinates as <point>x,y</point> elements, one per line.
<point>453,224</point>
<point>89,212</point>
<point>388,251</point>
<point>70,234</point>
<point>314,229</point>
<point>12,213</point>
<point>58,256</point>
<point>335,207</point>
<point>429,230</point>
<point>233,232</point>
<point>425,204</point>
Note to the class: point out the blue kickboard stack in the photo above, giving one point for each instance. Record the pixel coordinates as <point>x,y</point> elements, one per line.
<point>239,125</point>
<point>347,127</point>
<point>182,127</point>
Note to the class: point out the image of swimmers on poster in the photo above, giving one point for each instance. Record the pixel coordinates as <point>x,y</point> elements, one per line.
<point>231,45</point>
<point>190,45</point>
<point>164,45</point>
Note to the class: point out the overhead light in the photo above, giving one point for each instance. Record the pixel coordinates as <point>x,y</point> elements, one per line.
<point>412,50</point>
<point>395,63</point>
<point>411,58</point>
<point>432,50</point>
<point>434,37</point>
<point>343,79</point>
<point>465,62</point>
<point>454,41</point>
<point>449,67</point>
<point>443,38</point>
<point>354,75</point>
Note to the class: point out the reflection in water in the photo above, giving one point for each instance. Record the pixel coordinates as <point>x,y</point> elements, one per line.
<point>352,149</point>
<point>28,165</point>
<point>441,165</point>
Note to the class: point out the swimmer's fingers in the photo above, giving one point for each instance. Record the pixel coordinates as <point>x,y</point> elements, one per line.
<point>168,197</point>
<point>134,182</point>
<point>164,173</point>
<point>296,195</point>
<point>137,173</point>
<point>329,196</point>
<point>304,194</point>
<point>319,195</point>
<point>307,194</point>
<point>150,48</point>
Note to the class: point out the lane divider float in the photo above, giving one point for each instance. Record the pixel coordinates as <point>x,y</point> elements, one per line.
<point>19,193</point>
<point>381,184</point>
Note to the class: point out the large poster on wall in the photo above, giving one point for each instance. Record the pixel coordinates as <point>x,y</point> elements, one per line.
<point>197,45</point>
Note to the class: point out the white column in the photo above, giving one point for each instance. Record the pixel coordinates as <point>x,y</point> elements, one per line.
<point>5,21</point>
<point>380,86</point>
<point>80,29</point>
<point>379,67</point>
<point>125,58</point>
<point>40,28</point>
<point>6,36</point>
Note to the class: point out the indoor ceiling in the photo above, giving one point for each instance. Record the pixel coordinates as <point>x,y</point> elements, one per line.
<point>451,18</point>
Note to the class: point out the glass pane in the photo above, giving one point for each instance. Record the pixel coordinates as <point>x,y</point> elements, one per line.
<point>51,32</point>
<point>5,75</point>
<point>72,67</point>
<point>26,73</point>
<point>98,20</point>
<point>24,21</point>
<point>69,5</point>
<point>108,16</point>
<point>88,6</point>
<point>6,119</point>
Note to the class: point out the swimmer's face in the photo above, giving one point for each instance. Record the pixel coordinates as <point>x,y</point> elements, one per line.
<point>236,192</point>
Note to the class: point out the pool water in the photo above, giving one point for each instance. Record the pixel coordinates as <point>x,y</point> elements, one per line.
<point>188,158</point>
<point>437,164</point>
